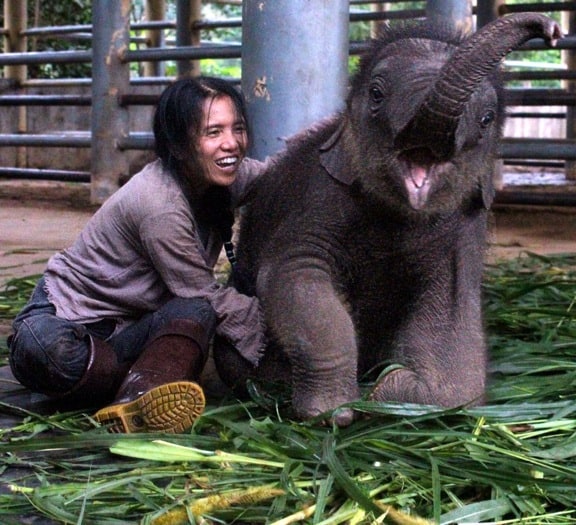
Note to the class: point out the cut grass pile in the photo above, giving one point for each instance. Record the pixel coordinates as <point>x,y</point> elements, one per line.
<point>512,461</point>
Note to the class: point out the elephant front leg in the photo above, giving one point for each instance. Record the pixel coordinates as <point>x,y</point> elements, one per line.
<point>440,363</point>
<point>316,332</point>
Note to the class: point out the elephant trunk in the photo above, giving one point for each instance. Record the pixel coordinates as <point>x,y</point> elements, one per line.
<point>435,122</point>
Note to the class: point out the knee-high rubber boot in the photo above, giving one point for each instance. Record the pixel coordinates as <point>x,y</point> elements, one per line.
<point>159,393</point>
<point>101,379</point>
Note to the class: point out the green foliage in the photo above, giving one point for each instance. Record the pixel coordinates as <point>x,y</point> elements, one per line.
<point>512,461</point>
<point>74,12</point>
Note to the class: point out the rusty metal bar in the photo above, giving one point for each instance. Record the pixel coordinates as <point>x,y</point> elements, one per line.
<point>42,174</point>
<point>182,53</point>
<point>539,75</point>
<point>45,100</point>
<point>87,28</point>
<point>505,9</point>
<point>539,97</point>
<point>537,44</point>
<point>137,141</point>
<point>196,53</point>
<point>546,149</point>
<point>528,114</point>
<point>68,140</point>
<point>43,57</point>
<point>568,42</point>
<point>535,198</point>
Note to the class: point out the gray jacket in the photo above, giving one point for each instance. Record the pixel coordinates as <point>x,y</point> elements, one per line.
<point>142,248</point>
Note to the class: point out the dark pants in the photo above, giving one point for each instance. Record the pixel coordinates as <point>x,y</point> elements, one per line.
<point>50,354</point>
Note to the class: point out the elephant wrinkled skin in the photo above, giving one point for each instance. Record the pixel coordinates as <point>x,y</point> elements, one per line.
<point>365,239</point>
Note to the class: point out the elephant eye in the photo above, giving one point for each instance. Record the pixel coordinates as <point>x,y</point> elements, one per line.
<point>487,119</point>
<point>376,95</point>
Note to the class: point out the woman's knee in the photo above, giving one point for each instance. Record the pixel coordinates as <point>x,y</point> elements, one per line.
<point>48,354</point>
<point>193,309</point>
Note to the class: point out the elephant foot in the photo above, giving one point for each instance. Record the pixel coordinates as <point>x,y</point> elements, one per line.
<point>309,407</point>
<point>406,386</point>
<point>402,385</point>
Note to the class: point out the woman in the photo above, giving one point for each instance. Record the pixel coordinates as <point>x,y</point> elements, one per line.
<point>127,312</point>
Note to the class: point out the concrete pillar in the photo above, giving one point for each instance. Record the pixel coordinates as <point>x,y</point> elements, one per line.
<point>294,66</point>
<point>110,79</point>
<point>456,12</point>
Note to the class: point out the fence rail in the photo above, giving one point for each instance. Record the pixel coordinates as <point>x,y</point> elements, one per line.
<point>527,151</point>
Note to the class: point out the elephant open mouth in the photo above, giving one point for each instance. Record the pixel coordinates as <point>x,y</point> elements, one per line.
<point>422,171</point>
<point>418,183</point>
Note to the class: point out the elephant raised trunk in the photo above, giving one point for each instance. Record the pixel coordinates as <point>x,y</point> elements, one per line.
<point>368,257</point>
<point>435,122</point>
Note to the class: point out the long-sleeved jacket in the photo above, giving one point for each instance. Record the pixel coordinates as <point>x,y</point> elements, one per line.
<point>142,248</point>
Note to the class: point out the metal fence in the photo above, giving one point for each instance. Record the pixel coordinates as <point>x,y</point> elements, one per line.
<point>113,95</point>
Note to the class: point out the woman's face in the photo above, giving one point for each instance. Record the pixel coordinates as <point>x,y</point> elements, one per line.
<point>223,141</point>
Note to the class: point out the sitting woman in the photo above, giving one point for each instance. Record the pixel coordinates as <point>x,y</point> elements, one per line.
<point>125,315</point>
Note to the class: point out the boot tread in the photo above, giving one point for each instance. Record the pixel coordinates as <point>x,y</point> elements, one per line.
<point>170,408</point>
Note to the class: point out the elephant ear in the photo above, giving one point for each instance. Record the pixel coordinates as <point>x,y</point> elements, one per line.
<point>335,159</point>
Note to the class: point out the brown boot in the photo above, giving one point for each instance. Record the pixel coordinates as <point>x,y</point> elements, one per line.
<point>101,379</point>
<point>157,394</point>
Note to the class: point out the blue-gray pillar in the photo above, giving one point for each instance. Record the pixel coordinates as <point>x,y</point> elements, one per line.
<point>456,12</point>
<point>110,79</point>
<point>294,66</point>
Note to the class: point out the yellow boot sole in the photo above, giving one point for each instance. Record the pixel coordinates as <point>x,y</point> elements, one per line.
<point>171,408</point>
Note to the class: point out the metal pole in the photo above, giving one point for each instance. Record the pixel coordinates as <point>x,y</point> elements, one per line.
<point>294,66</point>
<point>155,10</point>
<point>187,13</point>
<point>15,20</point>
<point>456,12</point>
<point>487,11</point>
<point>110,79</point>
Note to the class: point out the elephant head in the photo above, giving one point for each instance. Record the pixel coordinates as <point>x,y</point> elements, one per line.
<point>436,101</point>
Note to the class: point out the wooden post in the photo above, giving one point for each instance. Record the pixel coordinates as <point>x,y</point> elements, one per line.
<point>16,21</point>
<point>570,55</point>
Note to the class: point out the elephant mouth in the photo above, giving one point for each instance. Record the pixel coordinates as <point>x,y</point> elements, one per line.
<point>418,182</point>
<point>421,172</point>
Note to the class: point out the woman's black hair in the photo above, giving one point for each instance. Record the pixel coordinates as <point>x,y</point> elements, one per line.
<point>177,123</point>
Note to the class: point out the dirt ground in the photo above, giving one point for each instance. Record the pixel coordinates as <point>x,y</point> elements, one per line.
<point>39,218</point>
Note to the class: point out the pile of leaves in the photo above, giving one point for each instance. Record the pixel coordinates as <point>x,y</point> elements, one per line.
<point>511,461</point>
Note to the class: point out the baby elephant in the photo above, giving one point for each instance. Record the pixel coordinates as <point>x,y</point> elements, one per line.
<point>365,239</point>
